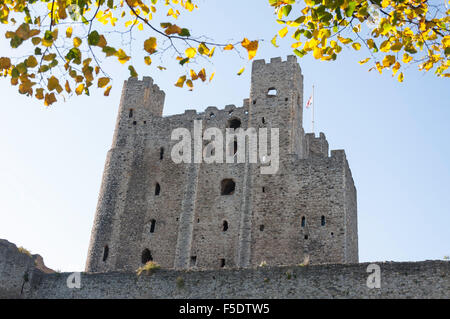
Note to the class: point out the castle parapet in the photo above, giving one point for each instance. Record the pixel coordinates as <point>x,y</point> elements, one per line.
<point>316,146</point>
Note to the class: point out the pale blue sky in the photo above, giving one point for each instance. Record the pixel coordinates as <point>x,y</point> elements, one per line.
<point>395,136</point>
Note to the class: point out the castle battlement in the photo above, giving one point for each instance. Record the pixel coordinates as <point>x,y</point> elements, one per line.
<point>222,215</point>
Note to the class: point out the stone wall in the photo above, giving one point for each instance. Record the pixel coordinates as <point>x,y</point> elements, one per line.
<point>22,277</point>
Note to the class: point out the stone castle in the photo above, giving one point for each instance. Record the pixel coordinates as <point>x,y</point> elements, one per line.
<point>211,216</point>
<point>211,226</point>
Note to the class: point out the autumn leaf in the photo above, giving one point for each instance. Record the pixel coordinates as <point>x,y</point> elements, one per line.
<point>202,75</point>
<point>5,63</point>
<point>282,33</point>
<point>180,81</point>
<point>49,99</point>
<point>108,89</point>
<point>122,56</point>
<point>251,47</point>
<point>150,45</point>
<point>102,82</point>
<point>191,52</point>
<point>364,61</point>
<point>79,89</point>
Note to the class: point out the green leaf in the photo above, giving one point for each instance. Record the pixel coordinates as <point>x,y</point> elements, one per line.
<point>350,9</point>
<point>93,38</point>
<point>182,62</point>
<point>286,10</point>
<point>185,33</point>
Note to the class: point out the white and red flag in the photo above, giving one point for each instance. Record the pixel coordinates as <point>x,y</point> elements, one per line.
<point>309,103</point>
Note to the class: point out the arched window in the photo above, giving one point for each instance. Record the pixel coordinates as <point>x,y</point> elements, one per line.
<point>130,114</point>
<point>227,187</point>
<point>234,123</point>
<point>225,225</point>
<point>152,226</point>
<point>161,153</point>
<point>105,253</point>
<point>146,256</point>
<point>322,220</point>
<point>261,227</point>
<point>303,221</point>
<point>222,262</point>
<point>157,189</point>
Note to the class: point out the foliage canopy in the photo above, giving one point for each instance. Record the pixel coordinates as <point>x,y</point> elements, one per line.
<point>63,42</point>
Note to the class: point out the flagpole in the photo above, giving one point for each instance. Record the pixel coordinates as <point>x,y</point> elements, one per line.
<point>312,114</point>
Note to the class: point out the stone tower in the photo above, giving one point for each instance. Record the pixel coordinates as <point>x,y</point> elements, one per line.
<point>213,215</point>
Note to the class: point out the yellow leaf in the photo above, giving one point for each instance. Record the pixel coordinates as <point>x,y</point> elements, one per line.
<point>189,84</point>
<point>282,33</point>
<point>211,52</point>
<point>356,46</point>
<point>317,53</point>
<point>251,46</point>
<point>193,75</point>
<point>229,47</point>
<point>395,68</point>
<point>181,81</point>
<point>191,52</point>
<point>388,60</point>
<point>102,82</point>
<point>379,67</point>
<point>69,32</point>
<point>274,41</point>
<point>241,71</point>
<point>364,61</point>
<point>406,58</point>
<point>161,68</point>
<point>108,89</point>
<point>76,42</point>
<point>344,40</point>
<point>122,56</point>
<point>202,75</point>
<point>212,76</point>
<point>203,49</point>
<point>385,46</point>
<point>400,77</point>
<point>79,89</point>
<point>150,45</point>
<point>148,60</point>
<point>296,45</point>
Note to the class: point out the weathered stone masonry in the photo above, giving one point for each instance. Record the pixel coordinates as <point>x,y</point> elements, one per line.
<point>21,276</point>
<point>150,208</point>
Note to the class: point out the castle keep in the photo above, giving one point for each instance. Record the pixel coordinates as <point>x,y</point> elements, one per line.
<point>210,216</point>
